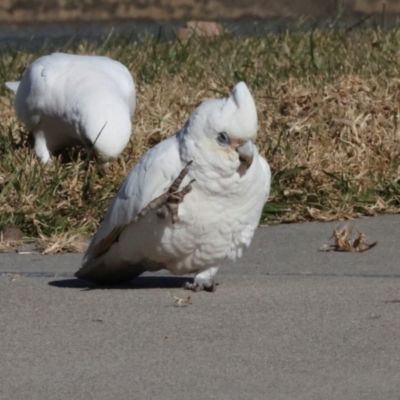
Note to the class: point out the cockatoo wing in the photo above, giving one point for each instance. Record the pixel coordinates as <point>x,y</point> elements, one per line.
<point>150,178</point>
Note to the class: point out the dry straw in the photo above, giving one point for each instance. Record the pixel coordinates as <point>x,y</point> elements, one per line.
<point>328,106</point>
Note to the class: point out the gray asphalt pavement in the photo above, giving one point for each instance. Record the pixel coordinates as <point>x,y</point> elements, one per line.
<point>286,322</point>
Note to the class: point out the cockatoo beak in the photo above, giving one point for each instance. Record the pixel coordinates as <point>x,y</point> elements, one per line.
<point>246,153</point>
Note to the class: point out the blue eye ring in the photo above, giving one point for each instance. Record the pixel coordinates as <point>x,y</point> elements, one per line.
<point>223,139</point>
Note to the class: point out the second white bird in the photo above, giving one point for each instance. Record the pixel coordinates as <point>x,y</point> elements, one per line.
<point>67,99</point>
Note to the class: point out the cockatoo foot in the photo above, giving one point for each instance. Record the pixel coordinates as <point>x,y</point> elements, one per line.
<point>210,286</point>
<point>168,203</point>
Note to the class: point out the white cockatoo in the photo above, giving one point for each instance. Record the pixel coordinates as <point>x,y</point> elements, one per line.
<point>191,203</point>
<point>67,99</point>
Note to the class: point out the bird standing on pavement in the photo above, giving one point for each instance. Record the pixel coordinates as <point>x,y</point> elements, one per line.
<point>192,202</point>
<point>67,99</point>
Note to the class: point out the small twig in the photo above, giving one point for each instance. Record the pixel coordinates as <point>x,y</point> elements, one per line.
<point>179,302</point>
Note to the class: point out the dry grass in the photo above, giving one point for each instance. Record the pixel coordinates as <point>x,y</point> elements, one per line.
<point>9,245</point>
<point>62,243</point>
<point>328,104</point>
<point>10,238</point>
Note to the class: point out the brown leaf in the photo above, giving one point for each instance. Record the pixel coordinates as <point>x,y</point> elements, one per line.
<point>345,242</point>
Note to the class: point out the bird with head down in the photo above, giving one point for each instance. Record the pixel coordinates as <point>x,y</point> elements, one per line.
<point>192,202</point>
<point>68,99</point>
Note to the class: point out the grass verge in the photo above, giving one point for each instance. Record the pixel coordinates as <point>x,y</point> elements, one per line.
<point>328,106</point>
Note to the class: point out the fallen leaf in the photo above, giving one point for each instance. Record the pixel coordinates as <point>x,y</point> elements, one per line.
<point>345,242</point>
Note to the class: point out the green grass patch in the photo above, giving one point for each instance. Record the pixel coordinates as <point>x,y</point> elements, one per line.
<point>328,106</point>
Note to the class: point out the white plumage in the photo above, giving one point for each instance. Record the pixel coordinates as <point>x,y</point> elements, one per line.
<point>216,219</point>
<point>69,99</point>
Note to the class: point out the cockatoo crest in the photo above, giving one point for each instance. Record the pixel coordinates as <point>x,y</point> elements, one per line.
<point>240,113</point>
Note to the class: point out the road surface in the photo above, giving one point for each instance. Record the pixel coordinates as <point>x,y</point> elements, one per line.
<point>286,322</point>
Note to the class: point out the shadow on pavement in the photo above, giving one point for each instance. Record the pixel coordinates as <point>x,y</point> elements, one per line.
<point>145,282</point>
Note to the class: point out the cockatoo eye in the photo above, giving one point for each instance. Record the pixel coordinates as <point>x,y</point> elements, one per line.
<point>223,139</point>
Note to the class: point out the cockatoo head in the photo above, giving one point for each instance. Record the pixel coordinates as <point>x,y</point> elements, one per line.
<point>222,131</point>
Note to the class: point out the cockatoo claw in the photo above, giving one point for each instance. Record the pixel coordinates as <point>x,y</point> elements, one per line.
<point>198,287</point>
